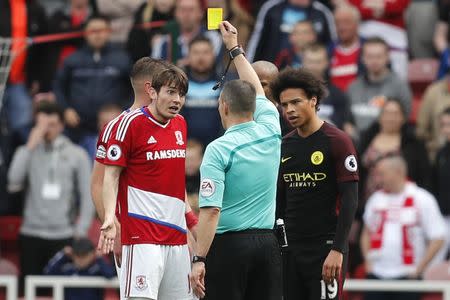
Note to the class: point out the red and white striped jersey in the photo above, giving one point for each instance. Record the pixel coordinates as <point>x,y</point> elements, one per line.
<point>344,66</point>
<point>400,226</point>
<point>152,184</point>
<point>105,134</point>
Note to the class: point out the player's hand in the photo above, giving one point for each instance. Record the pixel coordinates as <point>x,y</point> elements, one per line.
<point>107,236</point>
<point>38,132</point>
<point>198,279</point>
<point>332,266</point>
<point>71,117</point>
<point>118,245</point>
<point>229,34</point>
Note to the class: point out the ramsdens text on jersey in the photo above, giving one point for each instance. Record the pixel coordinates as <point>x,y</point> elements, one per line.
<point>166,154</point>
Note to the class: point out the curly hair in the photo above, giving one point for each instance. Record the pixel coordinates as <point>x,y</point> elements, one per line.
<point>301,78</point>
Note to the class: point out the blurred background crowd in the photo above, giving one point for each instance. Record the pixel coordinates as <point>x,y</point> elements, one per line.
<point>386,64</point>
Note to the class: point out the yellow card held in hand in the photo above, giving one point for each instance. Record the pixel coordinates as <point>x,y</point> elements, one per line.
<point>214,18</point>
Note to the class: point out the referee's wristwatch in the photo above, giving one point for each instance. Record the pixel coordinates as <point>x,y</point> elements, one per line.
<point>197,258</point>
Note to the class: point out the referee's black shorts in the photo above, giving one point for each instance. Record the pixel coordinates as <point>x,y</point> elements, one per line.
<point>302,273</point>
<point>244,265</point>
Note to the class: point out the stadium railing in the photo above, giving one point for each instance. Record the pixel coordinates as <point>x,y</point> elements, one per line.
<point>58,283</point>
<point>10,282</point>
<point>359,285</point>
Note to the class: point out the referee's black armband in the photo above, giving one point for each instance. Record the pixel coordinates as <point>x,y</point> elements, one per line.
<point>349,204</point>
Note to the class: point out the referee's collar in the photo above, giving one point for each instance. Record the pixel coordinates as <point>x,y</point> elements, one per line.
<point>240,126</point>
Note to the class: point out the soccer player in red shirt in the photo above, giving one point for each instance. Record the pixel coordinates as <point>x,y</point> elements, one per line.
<point>144,170</point>
<point>143,71</point>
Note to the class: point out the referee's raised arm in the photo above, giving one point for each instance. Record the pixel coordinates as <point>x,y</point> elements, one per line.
<point>243,67</point>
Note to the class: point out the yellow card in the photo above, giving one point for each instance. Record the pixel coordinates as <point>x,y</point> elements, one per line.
<point>214,18</point>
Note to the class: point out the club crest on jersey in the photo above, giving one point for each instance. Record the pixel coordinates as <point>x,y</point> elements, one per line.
<point>207,188</point>
<point>101,152</point>
<point>317,158</point>
<point>351,164</point>
<point>179,137</point>
<point>114,152</point>
<point>141,282</point>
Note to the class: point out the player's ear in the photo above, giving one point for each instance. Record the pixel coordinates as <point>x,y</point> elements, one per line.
<point>313,101</point>
<point>152,93</point>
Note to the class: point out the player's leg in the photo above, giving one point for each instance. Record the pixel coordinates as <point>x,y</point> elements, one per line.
<point>264,279</point>
<point>141,271</point>
<point>293,284</point>
<point>175,284</point>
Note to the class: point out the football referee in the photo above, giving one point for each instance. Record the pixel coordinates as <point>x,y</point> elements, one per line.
<point>317,190</point>
<point>236,249</point>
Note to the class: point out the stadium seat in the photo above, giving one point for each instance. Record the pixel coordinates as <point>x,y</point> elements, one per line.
<point>421,73</point>
<point>9,232</point>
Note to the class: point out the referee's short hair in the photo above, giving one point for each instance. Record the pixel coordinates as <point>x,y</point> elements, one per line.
<point>147,68</point>
<point>293,78</point>
<point>240,95</point>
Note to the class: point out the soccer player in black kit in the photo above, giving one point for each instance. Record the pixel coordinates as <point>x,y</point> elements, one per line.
<point>317,191</point>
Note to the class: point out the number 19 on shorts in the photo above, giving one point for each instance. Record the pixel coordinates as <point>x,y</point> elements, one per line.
<point>330,290</point>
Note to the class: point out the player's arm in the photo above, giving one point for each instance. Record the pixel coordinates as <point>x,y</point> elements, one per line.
<point>243,67</point>
<point>349,204</point>
<point>110,190</point>
<point>98,172</point>
<point>191,218</point>
<point>212,187</point>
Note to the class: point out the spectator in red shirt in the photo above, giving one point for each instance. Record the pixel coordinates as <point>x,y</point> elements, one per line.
<point>346,53</point>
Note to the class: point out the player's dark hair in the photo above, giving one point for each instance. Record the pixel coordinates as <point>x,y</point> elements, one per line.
<point>174,77</point>
<point>96,17</point>
<point>291,78</point>
<point>200,39</point>
<point>446,111</point>
<point>240,95</point>
<point>147,67</point>
<point>376,40</point>
<point>50,108</point>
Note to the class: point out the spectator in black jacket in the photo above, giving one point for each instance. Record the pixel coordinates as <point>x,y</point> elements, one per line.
<point>19,20</point>
<point>392,135</point>
<point>71,19</point>
<point>276,20</point>
<point>93,76</point>
<point>80,260</point>
<point>442,170</point>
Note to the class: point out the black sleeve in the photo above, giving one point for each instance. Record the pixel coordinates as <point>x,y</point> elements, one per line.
<point>443,9</point>
<point>281,198</point>
<point>349,203</point>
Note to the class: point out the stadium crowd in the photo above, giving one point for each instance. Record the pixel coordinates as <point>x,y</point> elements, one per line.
<point>386,65</point>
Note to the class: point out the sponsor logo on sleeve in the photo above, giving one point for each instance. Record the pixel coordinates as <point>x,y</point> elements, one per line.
<point>351,164</point>
<point>101,152</point>
<point>207,188</point>
<point>114,152</point>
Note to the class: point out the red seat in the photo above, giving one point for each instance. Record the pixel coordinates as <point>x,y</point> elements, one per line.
<point>9,228</point>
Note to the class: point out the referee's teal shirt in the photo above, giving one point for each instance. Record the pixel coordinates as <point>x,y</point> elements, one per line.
<point>240,169</point>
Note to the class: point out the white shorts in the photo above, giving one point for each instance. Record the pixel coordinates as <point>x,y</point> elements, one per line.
<point>155,271</point>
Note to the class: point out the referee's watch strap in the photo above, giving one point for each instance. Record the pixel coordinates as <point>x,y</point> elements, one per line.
<point>197,258</point>
<point>236,51</point>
